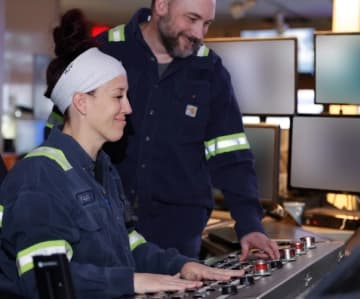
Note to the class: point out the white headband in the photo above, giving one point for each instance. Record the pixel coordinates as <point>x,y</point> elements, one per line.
<point>85,73</point>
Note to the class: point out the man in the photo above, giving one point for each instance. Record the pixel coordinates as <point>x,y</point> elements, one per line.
<point>185,134</point>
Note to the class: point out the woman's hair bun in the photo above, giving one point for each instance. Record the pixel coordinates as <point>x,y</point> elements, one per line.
<point>72,37</point>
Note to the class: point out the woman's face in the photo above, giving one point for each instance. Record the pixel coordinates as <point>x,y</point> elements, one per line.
<point>107,109</point>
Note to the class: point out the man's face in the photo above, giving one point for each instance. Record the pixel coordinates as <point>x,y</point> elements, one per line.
<point>185,25</point>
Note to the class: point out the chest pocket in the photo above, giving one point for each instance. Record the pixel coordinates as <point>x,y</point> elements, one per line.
<point>192,111</point>
<point>86,220</point>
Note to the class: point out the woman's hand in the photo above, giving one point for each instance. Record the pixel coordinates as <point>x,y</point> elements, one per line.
<point>196,271</point>
<point>152,283</point>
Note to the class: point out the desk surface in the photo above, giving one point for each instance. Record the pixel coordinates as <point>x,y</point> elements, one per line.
<point>220,237</point>
<point>282,229</point>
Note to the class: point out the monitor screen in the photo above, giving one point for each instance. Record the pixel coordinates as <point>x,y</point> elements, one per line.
<point>29,134</point>
<point>264,141</point>
<point>305,38</point>
<point>325,153</point>
<point>337,68</point>
<point>263,73</point>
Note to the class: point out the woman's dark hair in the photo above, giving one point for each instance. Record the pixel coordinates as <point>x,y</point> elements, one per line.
<point>71,39</point>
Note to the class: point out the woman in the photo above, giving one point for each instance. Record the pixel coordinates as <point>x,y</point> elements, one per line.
<point>66,197</point>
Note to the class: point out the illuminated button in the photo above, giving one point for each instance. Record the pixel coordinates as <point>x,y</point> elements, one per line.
<point>287,254</point>
<point>309,242</point>
<point>262,268</point>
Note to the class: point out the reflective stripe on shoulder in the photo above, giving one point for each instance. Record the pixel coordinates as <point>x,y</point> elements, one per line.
<point>1,214</point>
<point>117,34</point>
<point>225,144</point>
<point>24,258</point>
<point>135,239</point>
<point>53,154</point>
<point>54,119</point>
<point>203,51</point>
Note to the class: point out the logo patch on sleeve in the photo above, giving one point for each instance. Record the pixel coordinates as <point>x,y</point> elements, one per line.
<point>85,198</point>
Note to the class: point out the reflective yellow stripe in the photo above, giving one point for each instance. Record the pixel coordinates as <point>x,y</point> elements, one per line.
<point>225,144</point>
<point>51,153</point>
<point>54,119</point>
<point>135,239</point>
<point>1,214</point>
<point>203,51</point>
<point>117,34</point>
<point>24,258</point>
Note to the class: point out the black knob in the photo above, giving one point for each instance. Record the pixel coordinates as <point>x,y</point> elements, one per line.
<point>229,290</point>
<point>276,264</point>
<point>247,280</point>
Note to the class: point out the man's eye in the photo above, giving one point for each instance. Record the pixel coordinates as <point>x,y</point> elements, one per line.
<point>192,19</point>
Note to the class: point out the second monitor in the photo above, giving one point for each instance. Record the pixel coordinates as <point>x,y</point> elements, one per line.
<point>264,141</point>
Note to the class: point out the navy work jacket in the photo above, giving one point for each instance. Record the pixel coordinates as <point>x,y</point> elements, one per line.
<point>185,134</point>
<point>47,204</point>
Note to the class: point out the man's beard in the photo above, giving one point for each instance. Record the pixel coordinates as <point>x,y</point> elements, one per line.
<point>171,41</point>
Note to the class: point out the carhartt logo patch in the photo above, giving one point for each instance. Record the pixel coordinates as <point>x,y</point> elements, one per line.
<point>85,198</point>
<point>191,110</point>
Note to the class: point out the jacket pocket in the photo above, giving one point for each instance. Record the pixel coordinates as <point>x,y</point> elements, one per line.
<point>192,111</point>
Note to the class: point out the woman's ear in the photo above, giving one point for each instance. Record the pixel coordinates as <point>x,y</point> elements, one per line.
<point>79,102</point>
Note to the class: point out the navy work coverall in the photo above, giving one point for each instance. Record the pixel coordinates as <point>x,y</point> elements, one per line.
<point>51,206</point>
<point>185,135</point>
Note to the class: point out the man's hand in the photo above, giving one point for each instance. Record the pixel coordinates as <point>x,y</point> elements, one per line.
<point>196,271</point>
<point>352,242</point>
<point>257,240</point>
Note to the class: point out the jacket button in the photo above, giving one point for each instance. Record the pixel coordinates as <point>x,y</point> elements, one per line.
<point>147,138</point>
<point>152,112</point>
<point>143,165</point>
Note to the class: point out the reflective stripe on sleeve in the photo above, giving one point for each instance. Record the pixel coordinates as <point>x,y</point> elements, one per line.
<point>135,239</point>
<point>1,214</point>
<point>225,144</point>
<point>203,51</point>
<point>24,258</point>
<point>117,34</point>
<point>54,119</point>
<point>53,154</point>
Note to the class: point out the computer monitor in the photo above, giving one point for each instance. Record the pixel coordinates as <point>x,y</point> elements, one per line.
<point>264,141</point>
<point>337,68</point>
<point>305,49</point>
<point>263,73</point>
<point>325,153</point>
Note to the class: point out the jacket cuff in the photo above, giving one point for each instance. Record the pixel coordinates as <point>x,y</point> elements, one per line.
<point>120,280</point>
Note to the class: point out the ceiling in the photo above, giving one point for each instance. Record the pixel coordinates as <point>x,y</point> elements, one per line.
<point>113,12</point>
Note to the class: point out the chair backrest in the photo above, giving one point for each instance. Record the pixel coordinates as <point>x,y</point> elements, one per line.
<point>53,277</point>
